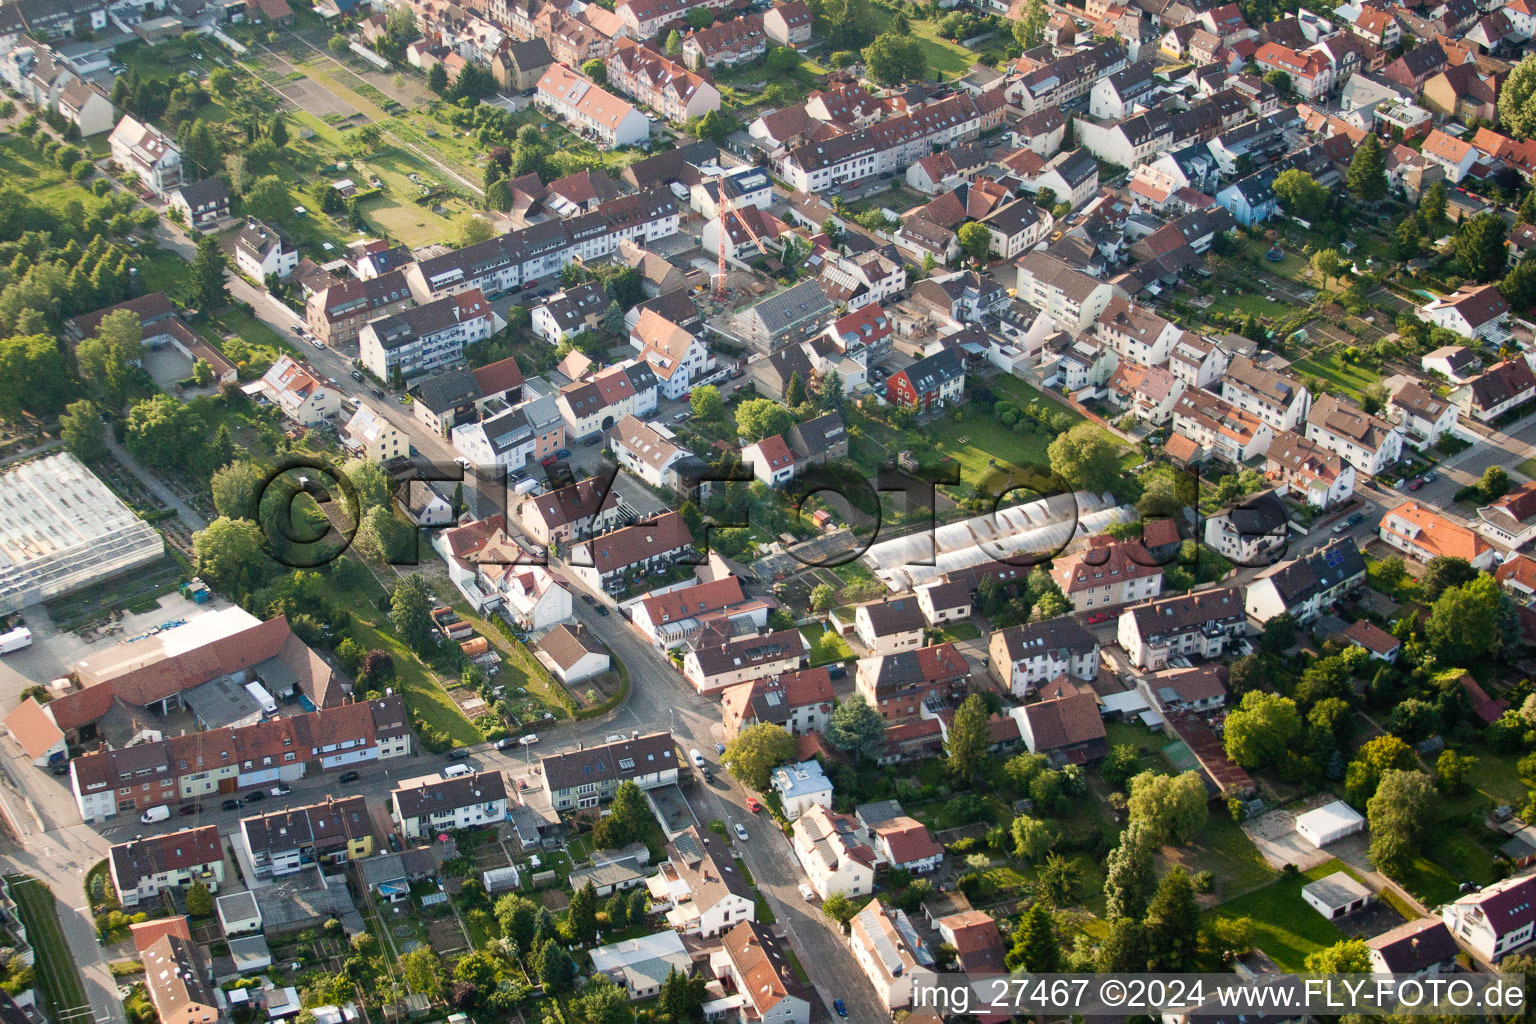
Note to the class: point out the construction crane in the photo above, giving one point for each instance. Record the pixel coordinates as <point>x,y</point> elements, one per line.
<point>726,207</point>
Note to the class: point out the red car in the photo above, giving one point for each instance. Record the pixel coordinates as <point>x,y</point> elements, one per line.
<point>548,460</point>
<point>1416,483</point>
<point>753,805</point>
<point>1098,617</point>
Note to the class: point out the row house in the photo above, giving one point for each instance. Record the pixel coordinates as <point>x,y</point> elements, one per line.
<point>886,147</point>
<point>336,314</point>
<point>1042,86</point>
<point>431,804</point>
<point>612,561</point>
<point>586,776</point>
<point>901,686</point>
<point>1422,534</point>
<point>1496,391</point>
<point>145,867</point>
<point>1026,657</point>
<point>670,620</point>
<point>715,664</point>
<point>512,438</point>
<point>800,703</point>
<point>727,43</point>
<point>589,109</point>
<point>658,82</point>
<point>701,893</point>
<point>331,832</point>
<point>1220,429</point>
<point>220,762</point>
<point>1107,573</point>
<point>590,407</point>
<point>647,18</point>
<point>1308,471</point>
<point>574,512</point>
<point>1126,143</point>
<point>1304,587</point>
<point>1367,442</point>
<point>426,338</point>
<point>1189,624</point>
<point>1273,397</point>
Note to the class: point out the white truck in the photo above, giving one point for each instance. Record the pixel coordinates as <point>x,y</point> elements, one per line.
<point>262,698</point>
<point>15,640</point>
<point>155,814</point>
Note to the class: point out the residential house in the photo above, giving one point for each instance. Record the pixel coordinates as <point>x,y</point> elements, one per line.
<point>901,686</point>
<point>891,625</point>
<point>798,702</point>
<point>1494,392</point>
<point>885,945</point>
<point>801,787</point>
<point>1198,623</point>
<point>142,868</point>
<point>1069,297</point>
<point>1377,642</point>
<point>1457,363</point>
<point>1423,416</point>
<point>929,384</point>
<point>1510,521</point>
<point>1304,587</point>
<point>586,776</point>
<point>298,391</point>
<point>1423,946</point>
<point>701,893</point>
<point>716,664</point>
<point>1367,442</point>
<point>337,314</point>
<point>671,619</point>
<point>1025,657</point>
<point>666,86</point>
<point>728,43</point>
<point>944,602</point>
<point>593,406</point>
<point>574,512</point>
<point>373,437</point>
<point>143,150</point>
<point>650,452</point>
<point>1472,311</point>
<point>676,357</point>
<point>570,311</point>
<point>1251,531</point>
<point>1455,156</point>
<point>589,109</point>
<point>1067,728</point>
<point>1495,920</point>
<point>1421,533</point>
<point>642,964</point>
<point>1278,400</point>
<point>832,854</point>
<point>430,804</point>
<point>572,655</point>
<point>178,982</point>
<point>262,251</point>
<point>1308,471</point>
<point>518,66</point>
<point>905,844</point>
<point>784,317</point>
<point>531,597</point>
<point>1106,573</point>
<point>788,24</point>
<point>1189,690</point>
<point>202,202</point>
<point>1019,226</point>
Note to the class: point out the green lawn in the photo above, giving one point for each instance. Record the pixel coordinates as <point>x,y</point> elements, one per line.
<point>57,975</point>
<point>976,442</point>
<point>1528,467</point>
<point>955,632</point>
<point>1224,849</point>
<point>827,647</point>
<point>945,57</point>
<point>1335,373</point>
<point>1284,926</point>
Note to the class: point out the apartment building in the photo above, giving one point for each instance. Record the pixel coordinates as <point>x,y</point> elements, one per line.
<point>592,406</point>
<point>336,314</point>
<point>1072,299</point>
<point>1197,624</point>
<point>143,868</point>
<point>1026,657</point>
<point>143,150</point>
<point>1107,573</point>
<point>669,620</point>
<point>1136,333</point>
<point>430,804</point>
<point>1278,400</point>
<point>1308,471</point>
<point>885,627</point>
<point>886,147</point>
<point>426,338</point>
<point>1423,416</point>
<point>587,776</point>
<point>714,665</point>
<point>1221,429</point>
<point>331,832</point>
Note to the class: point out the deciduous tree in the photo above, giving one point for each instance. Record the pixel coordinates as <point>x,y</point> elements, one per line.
<point>856,728</point>
<point>757,751</point>
<point>1399,816</point>
<point>1172,807</point>
<point>1086,458</point>
<point>1259,729</point>
<point>1300,194</point>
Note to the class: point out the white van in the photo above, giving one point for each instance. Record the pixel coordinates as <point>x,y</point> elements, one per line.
<point>696,757</point>
<point>453,771</point>
<point>807,893</point>
<point>155,814</point>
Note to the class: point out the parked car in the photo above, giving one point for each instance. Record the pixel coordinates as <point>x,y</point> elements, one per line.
<point>357,375</point>
<point>719,748</point>
<point>1415,483</point>
<point>254,796</point>
<point>589,599</point>
<point>592,442</point>
<point>376,392</point>
<point>602,610</point>
<point>529,740</point>
<point>231,804</point>
<point>753,805</point>
<point>62,768</point>
<point>282,789</point>
<point>1431,477</point>
<point>696,757</point>
<point>563,453</point>
<point>741,831</point>
<point>394,842</point>
<point>549,460</point>
<point>458,754</point>
<point>1098,617</point>
<point>807,893</point>
<point>506,743</point>
<point>317,343</point>
<point>155,814</point>
<point>348,777</point>
<point>840,1007</point>
<point>186,809</point>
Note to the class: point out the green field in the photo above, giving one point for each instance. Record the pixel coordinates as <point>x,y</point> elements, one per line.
<point>57,975</point>
<point>1528,467</point>
<point>1335,373</point>
<point>944,57</point>
<point>977,441</point>
<point>1284,925</point>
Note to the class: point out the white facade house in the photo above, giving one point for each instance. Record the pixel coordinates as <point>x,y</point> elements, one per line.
<point>590,110</point>
<point>143,150</point>
<point>1496,920</point>
<point>1367,442</point>
<point>1197,624</point>
<point>262,251</point>
<point>431,804</point>
<point>1027,656</point>
<point>428,337</point>
<point>1472,311</point>
<point>701,893</point>
<point>833,856</point>
<point>801,787</point>
<point>298,391</point>
<point>883,949</point>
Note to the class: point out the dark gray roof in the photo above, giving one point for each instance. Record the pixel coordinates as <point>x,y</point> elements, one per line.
<point>201,193</point>
<point>626,759</point>
<point>448,794</point>
<point>1333,563</point>
<point>792,306</point>
<point>447,390</point>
